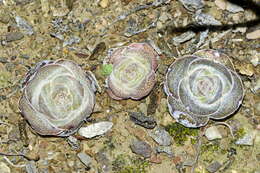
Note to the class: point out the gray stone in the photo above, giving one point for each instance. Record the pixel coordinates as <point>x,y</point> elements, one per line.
<point>71,40</point>
<point>247,139</point>
<point>206,19</point>
<point>183,38</point>
<point>192,5</point>
<point>214,167</point>
<point>24,25</point>
<point>142,120</point>
<point>84,158</point>
<point>31,167</point>
<point>165,149</point>
<point>13,36</point>
<point>233,8</point>
<point>141,148</point>
<point>73,142</point>
<point>95,129</point>
<point>161,136</point>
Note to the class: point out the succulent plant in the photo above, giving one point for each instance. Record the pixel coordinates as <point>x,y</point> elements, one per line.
<point>57,97</point>
<point>133,74</point>
<point>203,86</point>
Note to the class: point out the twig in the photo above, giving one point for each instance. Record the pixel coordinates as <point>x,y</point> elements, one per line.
<point>21,155</point>
<point>11,163</point>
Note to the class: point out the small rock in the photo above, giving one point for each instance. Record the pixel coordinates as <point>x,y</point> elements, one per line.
<point>253,35</point>
<point>164,17</point>
<point>212,133</point>
<point>4,168</point>
<point>142,120</point>
<point>31,167</point>
<point>73,142</point>
<point>222,4</point>
<point>161,136</point>
<point>193,5</point>
<point>183,38</point>
<point>247,139</point>
<point>4,16</point>
<point>71,40</point>
<point>256,86</point>
<point>104,3</point>
<point>165,149</point>
<point>141,148</point>
<point>95,129</point>
<point>246,69</point>
<point>206,19</point>
<point>233,8</point>
<point>103,161</point>
<point>24,26</point>
<point>13,36</point>
<point>214,167</point>
<point>84,158</point>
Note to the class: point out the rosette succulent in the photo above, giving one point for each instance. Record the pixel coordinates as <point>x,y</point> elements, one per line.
<point>133,74</point>
<point>57,97</point>
<point>202,86</point>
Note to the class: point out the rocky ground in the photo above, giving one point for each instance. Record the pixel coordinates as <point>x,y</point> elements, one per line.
<point>143,136</point>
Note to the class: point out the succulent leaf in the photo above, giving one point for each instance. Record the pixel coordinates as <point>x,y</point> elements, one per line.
<point>203,86</point>
<point>133,74</point>
<point>57,97</point>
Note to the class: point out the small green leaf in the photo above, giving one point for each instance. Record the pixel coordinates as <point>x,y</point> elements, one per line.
<point>106,69</point>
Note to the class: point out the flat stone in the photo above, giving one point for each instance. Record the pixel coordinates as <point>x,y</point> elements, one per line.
<point>253,35</point>
<point>192,5</point>
<point>247,139</point>
<point>161,136</point>
<point>214,167</point>
<point>206,19</point>
<point>142,120</point>
<point>31,167</point>
<point>165,149</point>
<point>84,158</point>
<point>212,133</point>
<point>233,8</point>
<point>13,36</point>
<point>183,38</point>
<point>141,148</point>
<point>24,25</point>
<point>104,3</point>
<point>96,129</point>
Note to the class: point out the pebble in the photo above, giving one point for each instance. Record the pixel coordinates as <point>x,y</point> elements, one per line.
<point>13,36</point>
<point>4,168</point>
<point>4,16</point>
<point>206,19</point>
<point>183,38</point>
<point>161,136</point>
<point>31,167</point>
<point>104,3</point>
<point>165,149</point>
<point>193,5</point>
<point>214,167</point>
<point>71,40</point>
<point>247,139</point>
<point>142,120</point>
<point>96,129</point>
<point>253,35</point>
<point>141,148</point>
<point>73,142</point>
<point>84,158</point>
<point>233,8</point>
<point>212,133</point>
<point>24,26</point>
<point>103,161</point>
<point>256,85</point>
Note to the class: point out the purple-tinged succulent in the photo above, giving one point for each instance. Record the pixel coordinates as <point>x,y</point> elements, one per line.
<point>203,86</point>
<point>133,74</point>
<point>57,97</point>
